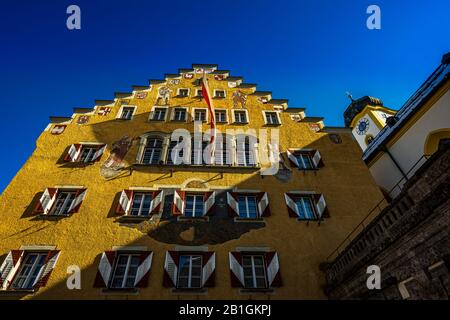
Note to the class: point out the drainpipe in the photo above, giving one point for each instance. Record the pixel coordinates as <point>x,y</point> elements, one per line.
<point>394,161</point>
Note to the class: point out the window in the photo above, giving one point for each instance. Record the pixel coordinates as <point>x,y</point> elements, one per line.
<point>141,204</point>
<point>254,271</point>
<point>200,115</point>
<point>178,155</point>
<point>127,113</point>
<point>125,271</point>
<point>305,207</point>
<point>159,114</point>
<point>221,116</point>
<point>247,207</point>
<point>197,149</point>
<point>199,93</point>
<point>183,92</point>
<point>219,94</point>
<point>190,272</point>
<point>222,154</point>
<point>194,205</point>
<point>63,202</point>
<point>245,154</point>
<point>30,270</point>
<point>88,153</point>
<point>304,161</point>
<point>179,114</point>
<point>240,116</point>
<point>152,151</point>
<point>272,118</point>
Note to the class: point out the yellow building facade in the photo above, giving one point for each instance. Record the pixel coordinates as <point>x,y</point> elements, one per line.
<point>99,195</point>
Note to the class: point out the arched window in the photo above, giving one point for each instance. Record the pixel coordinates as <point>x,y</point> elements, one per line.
<point>178,156</point>
<point>152,151</point>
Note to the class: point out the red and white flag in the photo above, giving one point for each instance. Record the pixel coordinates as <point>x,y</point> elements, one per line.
<point>212,116</point>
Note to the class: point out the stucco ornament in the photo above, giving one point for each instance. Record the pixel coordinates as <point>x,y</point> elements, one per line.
<point>164,95</point>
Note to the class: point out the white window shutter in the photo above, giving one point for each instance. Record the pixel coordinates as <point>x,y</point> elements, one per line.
<point>263,204</point>
<point>125,202</point>
<point>178,202</point>
<point>208,269</point>
<point>292,158</point>
<point>171,269</point>
<point>99,152</point>
<point>105,269</point>
<point>143,270</point>
<point>237,271</point>
<point>48,199</point>
<point>316,158</point>
<point>273,269</point>
<point>9,268</point>
<point>320,205</point>
<point>254,155</point>
<point>233,204</point>
<point>157,198</point>
<point>75,206</point>
<point>292,207</point>
<point>210,199</point>
<point>47,268</point>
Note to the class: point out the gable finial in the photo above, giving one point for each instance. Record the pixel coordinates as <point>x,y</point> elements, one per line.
<point>349,95</point>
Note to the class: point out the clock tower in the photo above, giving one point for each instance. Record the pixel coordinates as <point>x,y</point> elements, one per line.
<point>366,117</point>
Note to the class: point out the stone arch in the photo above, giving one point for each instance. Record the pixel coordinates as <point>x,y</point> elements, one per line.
<point>432,141</point>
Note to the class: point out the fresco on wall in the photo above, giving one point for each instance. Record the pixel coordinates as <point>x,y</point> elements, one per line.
<point>104,111</point>
<point>218,77</point>
<point>263,99</point>
<point>284,173</point>
<point>83,119</point>
<point>141,95</point>
<point>58,129</point>
<point>163,95</point>
<point>239,98</point>
<point>188,75</point>
<point>112,167</point>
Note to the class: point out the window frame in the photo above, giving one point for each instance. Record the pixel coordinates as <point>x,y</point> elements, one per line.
<point>141,204</point>
<point>66,203</point>
<point>246,196</point>
<point>14,281</point>
<point>277,115</point>
<point>151,118</point>
<point>125,275</point>
<point>226,115</point>
<point>119,114</point>
<point>189,277</point>
<point>205,110</point>
<point>253,275</point>
<point>179,95</point>
<point>312,204</point>
<point>234,116</point>
<point>145,146</point>
<point>185,114</point>
<point>195,195</point>
<point>215,96</point>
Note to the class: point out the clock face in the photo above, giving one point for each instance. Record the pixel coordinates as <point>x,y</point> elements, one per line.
<point>363,126</point>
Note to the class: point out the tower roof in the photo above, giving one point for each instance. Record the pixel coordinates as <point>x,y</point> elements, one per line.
<point>356,106</point>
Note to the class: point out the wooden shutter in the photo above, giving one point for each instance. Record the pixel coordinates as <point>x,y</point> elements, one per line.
<point>236,269</point>
<point>178,202</point>
<point>79,197</point>
<point>9,267</point>
<point>171,269</point>
<point>233,205</point>
<point>210,200</point>
<point>273,269</point>
<point>143,271</point>
<point>125,200</point>
<point>46,201</point>
<point>321,206</point>
<point>105,269</point>
<point>292,207</point>
<point>73,153</point>
<point>292,158</point>
<point>99,152</point>
<point>157,198</point>
<point>263,204</point>
<point>208,269</point>
<point>47,268</point>
<point>316,159</point>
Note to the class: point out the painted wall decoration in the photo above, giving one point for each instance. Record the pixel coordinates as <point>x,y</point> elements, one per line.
<point>335,138</point>
<point>263,99</point>
<point>58,129</point>
<point>284,173</point>
<point>296,117</point>
<point>104,111</point>
<point>239,98</point>
<point>188,75</point>
<point>140,95</point>
<point>115,163</point>
<point>232,84</point>
<point>83,119</point>
<point>219,77</point>
<point>174,81</point>
<point>205,70</point>
<point>164,95</point>
<point>314,127</point>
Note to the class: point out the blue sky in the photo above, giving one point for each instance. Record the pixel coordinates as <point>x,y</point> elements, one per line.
<point>310,52</point>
